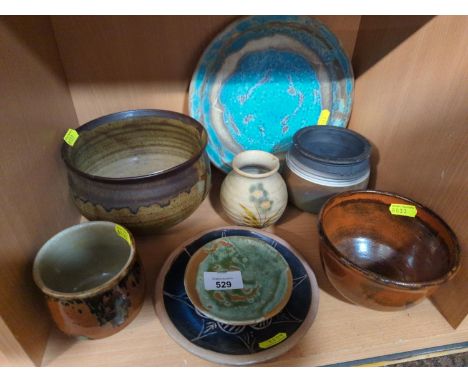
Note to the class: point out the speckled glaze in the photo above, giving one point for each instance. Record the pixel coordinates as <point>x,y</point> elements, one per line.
<point>384,261</point>
<point>254,193</point>
<point>144,169</point>
<point>266,279</point>
<point>265,77</point>
<point>92,280</point>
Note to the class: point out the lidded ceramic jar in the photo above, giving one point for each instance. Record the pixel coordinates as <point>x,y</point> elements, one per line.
<point>324,161</point>
<point>254,193</point>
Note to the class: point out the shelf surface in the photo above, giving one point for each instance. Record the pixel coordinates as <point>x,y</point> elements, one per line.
<point>342,332</point>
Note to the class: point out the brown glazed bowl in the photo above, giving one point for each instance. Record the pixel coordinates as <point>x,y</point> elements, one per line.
<point>380,260</point>
<point>91,278</point>
<point>144,169</point>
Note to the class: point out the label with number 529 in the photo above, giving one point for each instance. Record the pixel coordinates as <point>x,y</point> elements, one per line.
<point>223,280</point>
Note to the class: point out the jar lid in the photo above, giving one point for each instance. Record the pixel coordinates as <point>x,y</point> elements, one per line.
<point>331,145</point>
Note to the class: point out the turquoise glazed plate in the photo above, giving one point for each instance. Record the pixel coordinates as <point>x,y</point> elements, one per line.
<point>235,344</point>
<point>265,77</point>
<point>264,273</point>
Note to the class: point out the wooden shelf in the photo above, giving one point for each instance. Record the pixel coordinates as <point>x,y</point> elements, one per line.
<point>342,331</point>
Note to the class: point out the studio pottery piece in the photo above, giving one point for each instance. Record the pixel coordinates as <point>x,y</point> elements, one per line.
<point>254,193</point>
<point>265,77</point>
<point>324,161</point>
<point>234,344</point>
<point>144,169</point>
<point>385,251</point>
<point>92,279</point>
<point>265,277</point>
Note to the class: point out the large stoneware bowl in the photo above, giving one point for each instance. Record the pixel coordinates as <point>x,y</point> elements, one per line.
<point>380,259</point>
<point>144,169</point>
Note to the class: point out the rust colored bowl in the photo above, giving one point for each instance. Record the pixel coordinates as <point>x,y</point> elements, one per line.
<point>380,260</point>
<point>92,279</point>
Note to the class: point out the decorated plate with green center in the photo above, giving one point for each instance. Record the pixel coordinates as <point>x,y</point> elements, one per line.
<point>234,344</point>
<point>238,280</point>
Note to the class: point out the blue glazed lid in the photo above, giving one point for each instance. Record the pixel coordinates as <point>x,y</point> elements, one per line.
<point>331,150</point>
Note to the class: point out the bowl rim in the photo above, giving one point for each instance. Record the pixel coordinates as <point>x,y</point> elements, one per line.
<point>412,285</point>
<point>87,293</point>
<point>121,115</point>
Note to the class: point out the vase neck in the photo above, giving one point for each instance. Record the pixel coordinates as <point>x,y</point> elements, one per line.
<point>255,164</point>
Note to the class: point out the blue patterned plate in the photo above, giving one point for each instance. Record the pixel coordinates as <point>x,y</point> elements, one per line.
<point>265,77</point>
<point>228,344</point>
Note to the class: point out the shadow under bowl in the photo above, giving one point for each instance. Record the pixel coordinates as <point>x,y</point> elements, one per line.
<point>380,260</point>
<point>144,169</point>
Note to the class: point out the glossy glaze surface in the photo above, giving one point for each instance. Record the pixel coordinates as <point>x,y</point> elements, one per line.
<point>254,193</point>
<point>92,280</point>
<point>231,344</point>
<point>144,169</point>
<point>381,260</point>
<point>265,77</point>
<point>265,274</point>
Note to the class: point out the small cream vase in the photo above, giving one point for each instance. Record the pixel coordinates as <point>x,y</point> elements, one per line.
<point>254,193</point>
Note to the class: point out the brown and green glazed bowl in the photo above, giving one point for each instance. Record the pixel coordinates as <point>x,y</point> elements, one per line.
<point>144,169</point>
<point>266,277</point>
<point>92,279</point>
<point>382,260</point>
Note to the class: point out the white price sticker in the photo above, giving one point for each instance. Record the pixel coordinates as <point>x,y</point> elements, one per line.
<point>223,280</point>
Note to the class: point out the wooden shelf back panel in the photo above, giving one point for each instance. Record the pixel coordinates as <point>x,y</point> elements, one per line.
<point>119,63</point>
<point>36,109</point>
<point>412,105</point>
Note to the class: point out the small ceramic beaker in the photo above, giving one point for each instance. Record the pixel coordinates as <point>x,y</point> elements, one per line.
<point>254,193</point>
<point>91,278</point>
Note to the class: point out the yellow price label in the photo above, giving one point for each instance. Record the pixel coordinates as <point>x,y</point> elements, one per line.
<point>323,117</point>
<point>71,136</point>
<point>280,337</point>
<point>123,233</point>
<point>403,210</point>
